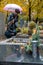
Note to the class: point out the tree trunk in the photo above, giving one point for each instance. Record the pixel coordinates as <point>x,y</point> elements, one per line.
<point>29,11</point>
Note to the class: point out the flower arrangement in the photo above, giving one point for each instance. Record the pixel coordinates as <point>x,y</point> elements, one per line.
<point>35,36</point>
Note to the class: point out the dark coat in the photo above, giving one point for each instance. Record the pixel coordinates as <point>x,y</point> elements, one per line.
<point>14,16</point>
<point>11,27</point>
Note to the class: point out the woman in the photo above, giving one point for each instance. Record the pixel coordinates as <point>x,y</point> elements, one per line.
<point>12,24</point>
<point>11,29</point>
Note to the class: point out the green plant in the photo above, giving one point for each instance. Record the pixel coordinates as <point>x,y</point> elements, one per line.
<point>32,25</point>
<point>36,35</point>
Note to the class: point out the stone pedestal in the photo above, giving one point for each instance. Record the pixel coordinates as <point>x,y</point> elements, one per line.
<point>2,24</point>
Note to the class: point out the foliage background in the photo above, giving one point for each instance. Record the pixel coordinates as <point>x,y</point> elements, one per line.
<point>36,7</point>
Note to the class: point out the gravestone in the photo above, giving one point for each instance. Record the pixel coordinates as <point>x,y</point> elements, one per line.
<point>2,24</point>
